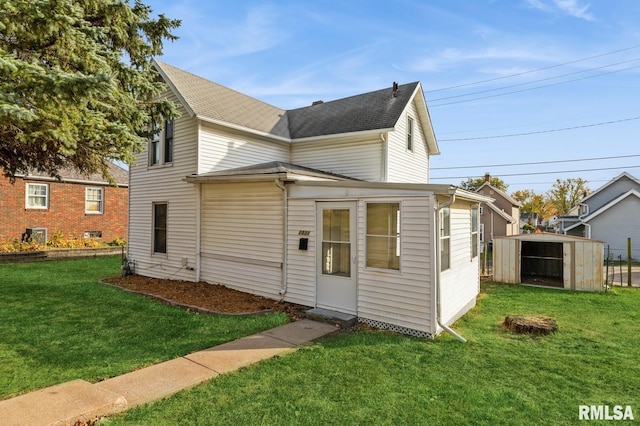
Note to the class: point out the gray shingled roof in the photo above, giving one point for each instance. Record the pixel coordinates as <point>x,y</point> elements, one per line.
<point>209,100</point>
<point>369,111</point>
<point>120,175</point>
<point>273,168</point>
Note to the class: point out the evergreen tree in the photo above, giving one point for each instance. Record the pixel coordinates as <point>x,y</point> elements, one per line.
<point>77,86</point>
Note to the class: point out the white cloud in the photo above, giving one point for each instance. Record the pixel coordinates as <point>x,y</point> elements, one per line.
<point>572,8</point>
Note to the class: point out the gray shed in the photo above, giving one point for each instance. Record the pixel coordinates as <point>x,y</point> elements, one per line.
<point>554,260</point>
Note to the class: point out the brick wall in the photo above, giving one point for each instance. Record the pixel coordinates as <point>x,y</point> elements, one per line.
<point>66,211</point>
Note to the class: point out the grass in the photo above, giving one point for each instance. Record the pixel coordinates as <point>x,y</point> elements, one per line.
<point>58,323</point>
<point>497,378</point>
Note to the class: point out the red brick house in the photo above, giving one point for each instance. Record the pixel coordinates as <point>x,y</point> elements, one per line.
<point>77,206</point>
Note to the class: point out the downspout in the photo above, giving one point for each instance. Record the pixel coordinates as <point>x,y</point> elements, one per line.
<point>438,266</point>
<point>383,155</point>
<point>285,227</point>
<point>199,233</point>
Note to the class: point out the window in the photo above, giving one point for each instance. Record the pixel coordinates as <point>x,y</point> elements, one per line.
<point>474,231</point>
<point>482,232</point>
<point>154,148</point>
<point>161,145</point>
<point>168,141</point>
<point>37,196</point>
<point>445,238</point>
<point>160,228</point>
<point>92,234</point>
<point>409,134</point>
<point>94,201</point>
<point>383,235</point>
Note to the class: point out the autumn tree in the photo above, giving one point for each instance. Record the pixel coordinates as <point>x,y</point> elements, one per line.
<point>77,86</point>
<point>532,202</point>
<point>473,184</point>
<point>565,194</point>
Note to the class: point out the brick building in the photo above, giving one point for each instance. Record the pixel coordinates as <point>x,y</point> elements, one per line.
<point>76,206</point>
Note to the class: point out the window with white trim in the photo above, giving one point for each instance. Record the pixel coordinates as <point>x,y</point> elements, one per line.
<point>160,228</point>
<point>475,222</point>
<point>445,238</point>
<point>161,144</point>
<point>482,232</point>
<point>37,196</point>
<point>409,134</point>
<point>383,235</point>
<point>94,201</point>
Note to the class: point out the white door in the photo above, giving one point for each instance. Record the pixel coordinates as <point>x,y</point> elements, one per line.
<point>336,263</point>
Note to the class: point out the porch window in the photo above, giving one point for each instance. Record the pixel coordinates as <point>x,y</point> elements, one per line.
<point>37,196</point>
<point>160,228</point>
<point>383,235</point>
<point>94,201</point>
<point>445,238</point>
<point>474,231</point>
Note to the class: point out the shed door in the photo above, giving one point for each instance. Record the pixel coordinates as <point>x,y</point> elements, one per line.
<point>336,262</point>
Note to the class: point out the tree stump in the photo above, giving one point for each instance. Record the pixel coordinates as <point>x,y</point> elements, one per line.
<point>530,324</point>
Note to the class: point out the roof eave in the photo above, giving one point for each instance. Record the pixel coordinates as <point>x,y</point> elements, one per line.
<point>243,128</point>
<point>342,135</point>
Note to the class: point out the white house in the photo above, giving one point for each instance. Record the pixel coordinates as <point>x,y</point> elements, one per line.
<point>326,206</point>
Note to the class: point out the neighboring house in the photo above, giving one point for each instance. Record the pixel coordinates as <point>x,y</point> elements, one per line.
<point>500,217</point>
<point>325,206</point>
<point>609,214</point>
<point>76,206</point>
<point>528,218</point>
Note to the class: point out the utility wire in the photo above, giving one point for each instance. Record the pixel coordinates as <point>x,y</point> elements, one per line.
<point>534,163</point>
<point>540,173</point>
<point>541,131</point>
<point>534,88</point>
<point>532,71</point>
<point>536,81</point>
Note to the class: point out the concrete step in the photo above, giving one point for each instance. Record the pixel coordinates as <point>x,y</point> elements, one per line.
<point>345,321</point>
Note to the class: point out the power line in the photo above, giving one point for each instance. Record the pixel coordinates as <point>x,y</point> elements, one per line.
<point>535,163</point>
<point>536,81</point>
<point>532,71</point>
<point>540,173</point>
<point>541,131</point>
<point>534,88</point>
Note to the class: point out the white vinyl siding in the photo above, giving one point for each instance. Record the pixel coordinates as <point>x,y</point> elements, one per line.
<point>459,284</point>
<point>402,298</point>
<point>411,166</point>
<point>301,264</point>
<point>242,236</point>
<point>221,150</point>
<point>164,183</point>
<point>360,159</point>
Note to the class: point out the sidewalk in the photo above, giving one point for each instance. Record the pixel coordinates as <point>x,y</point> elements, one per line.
<point>80,400</point>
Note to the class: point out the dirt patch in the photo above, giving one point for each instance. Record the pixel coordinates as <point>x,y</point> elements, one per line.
<point>204,297</point>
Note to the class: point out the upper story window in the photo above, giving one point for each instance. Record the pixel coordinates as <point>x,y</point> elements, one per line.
<point>161,145</point>
<point>37,196</point>
<point>94,201</point>
<point>383,235</point>
<point>410,134</point>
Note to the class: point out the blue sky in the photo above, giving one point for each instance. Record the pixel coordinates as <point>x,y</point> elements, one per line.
<point>488,68</point>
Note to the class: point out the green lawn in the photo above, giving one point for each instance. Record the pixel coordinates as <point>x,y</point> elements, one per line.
<point>58,323</point>
<point>497,378</point>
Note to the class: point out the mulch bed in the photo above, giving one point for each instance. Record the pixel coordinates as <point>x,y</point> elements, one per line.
<point>204,297</point>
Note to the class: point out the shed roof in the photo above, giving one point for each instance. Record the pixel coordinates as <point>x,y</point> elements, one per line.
<point>547,237</point>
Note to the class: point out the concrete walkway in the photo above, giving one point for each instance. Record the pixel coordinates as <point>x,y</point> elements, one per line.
<point>80,400</point>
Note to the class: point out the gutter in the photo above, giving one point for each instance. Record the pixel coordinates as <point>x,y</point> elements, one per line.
<point>438,266</point>
<point>285,227</point>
